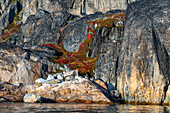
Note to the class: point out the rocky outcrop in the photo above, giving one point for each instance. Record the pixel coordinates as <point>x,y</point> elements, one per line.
<point>76,7</point>
<point>140,71</point>
<point>143,68</point>
<point>76,32</point>
<point>44,27</point>
<point>40,28</point>
<point>78,90</point>
<point>107,42</point>
<point>17,64</point>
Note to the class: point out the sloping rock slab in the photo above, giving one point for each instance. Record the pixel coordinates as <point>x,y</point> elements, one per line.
<point>81,91</point>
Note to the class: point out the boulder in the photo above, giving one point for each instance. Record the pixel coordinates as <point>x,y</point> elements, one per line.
<point>73,74</point>
<point>40,80</point>
<point>48,81</point>
<point>80,90</point>
<point>60,77</point>
<point>33,98</point>
<point>143,67</point>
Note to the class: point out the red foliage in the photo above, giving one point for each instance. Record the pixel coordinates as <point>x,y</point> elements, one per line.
<point>78,60</point>
<point>9,31</point>
<point>6,34</point>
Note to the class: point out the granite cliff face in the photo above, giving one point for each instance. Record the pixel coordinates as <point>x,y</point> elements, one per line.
<point>17,64</point>
<point>143,69</point>
<point>132,54</point>
<point>55,27</point>
<point>76,7</point>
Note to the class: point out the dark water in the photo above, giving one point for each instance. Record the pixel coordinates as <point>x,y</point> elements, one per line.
<point>80,108</point>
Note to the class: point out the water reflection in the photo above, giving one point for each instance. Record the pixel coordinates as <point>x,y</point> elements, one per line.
<point>80,108</point>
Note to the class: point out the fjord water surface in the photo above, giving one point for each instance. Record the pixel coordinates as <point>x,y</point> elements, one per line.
<point>80,108</point>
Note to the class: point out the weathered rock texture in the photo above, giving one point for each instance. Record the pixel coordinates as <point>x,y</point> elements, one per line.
<point>4,5</point>
<point>76,7</point>
<point>107,40</point>
<point>11,93</point>
<point>40,28</point>
<point>76,32</point>
<point>80,90</point>
<point>9,13</point>
<point>167,97</point>
<point>143,69</point>
<point>44,27</point>
<point>17,64</point>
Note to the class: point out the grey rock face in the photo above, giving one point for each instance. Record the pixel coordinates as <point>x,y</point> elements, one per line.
<point>75,33</point>
<point>72,33</point>
<point>32,6</point>
<point>107,40</point>
<point>76,7</point>
<point>4,5</point>
<point>16,64</point>
<point>143,69</point>
<point>8,16</point>
<point>40,28</point>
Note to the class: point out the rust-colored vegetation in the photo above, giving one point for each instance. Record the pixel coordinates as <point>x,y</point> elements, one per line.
<point>9,31</point>
<point>78,60</point>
